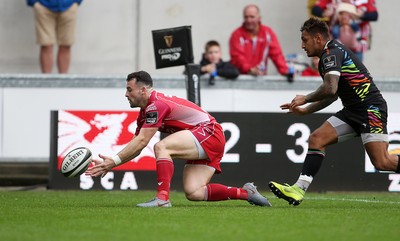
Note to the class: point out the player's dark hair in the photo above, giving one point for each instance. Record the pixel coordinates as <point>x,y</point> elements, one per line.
<point>141,77</point>
<point>314,26</point>
<point>210,44</point>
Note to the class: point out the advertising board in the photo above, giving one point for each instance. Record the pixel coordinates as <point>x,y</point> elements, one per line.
<point>260,147</point>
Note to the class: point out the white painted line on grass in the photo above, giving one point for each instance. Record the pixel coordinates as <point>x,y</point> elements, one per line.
<point>352,200</point>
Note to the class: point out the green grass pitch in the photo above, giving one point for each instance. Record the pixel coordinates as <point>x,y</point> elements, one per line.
<point>111,215</point>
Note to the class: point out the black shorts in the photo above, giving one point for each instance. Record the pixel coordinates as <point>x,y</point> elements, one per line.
<point>371,119</point>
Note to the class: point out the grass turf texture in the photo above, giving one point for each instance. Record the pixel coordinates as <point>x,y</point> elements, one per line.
<point>104,215</point>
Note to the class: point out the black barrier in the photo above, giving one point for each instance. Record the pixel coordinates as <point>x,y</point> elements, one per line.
<point>193,83</point>
<point>173,46</point>
<point>259,147</point>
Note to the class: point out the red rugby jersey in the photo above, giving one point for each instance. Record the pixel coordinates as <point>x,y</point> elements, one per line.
<point>171,114</point>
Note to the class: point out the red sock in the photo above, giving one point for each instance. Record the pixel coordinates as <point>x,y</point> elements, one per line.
<point>219,192</point>
<point>165,170</point>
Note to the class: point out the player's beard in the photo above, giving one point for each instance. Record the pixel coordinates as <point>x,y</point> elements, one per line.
<point>131,104</point>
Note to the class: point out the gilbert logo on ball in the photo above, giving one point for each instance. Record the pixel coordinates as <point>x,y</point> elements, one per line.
<point>76,162</point>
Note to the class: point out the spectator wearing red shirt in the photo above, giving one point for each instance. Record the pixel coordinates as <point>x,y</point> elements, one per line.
<point>253,43</point>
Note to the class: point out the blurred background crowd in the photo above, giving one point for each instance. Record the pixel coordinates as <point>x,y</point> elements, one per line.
<point>229,37</point>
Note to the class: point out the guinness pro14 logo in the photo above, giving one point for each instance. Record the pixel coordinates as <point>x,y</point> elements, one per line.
<point>169,53</point>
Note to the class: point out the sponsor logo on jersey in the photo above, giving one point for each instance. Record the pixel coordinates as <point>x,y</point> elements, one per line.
<point>329,61</point>
<point>151,117</point>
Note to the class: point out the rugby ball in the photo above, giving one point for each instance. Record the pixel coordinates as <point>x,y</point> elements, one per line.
<point>76,162</point>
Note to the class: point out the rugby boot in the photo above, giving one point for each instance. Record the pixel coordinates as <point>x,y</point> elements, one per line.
<point>293,194</point>
<point>255,198</point>
<point>155,202</point>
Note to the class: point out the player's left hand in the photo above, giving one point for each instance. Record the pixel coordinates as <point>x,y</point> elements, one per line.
<point>298,101</point>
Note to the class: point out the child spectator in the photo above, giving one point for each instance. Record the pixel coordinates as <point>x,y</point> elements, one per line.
<point>213,64</point>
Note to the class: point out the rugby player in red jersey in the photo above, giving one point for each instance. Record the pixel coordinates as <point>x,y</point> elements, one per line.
<point>194,135</point>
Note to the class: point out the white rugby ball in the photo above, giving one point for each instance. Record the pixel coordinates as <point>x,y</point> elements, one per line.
<point>76,162</point>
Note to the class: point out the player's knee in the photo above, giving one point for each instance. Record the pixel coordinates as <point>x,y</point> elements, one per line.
<point>159,147</point>
<point>194,196</point>
<point>315,141</point>
<point>194,193</point>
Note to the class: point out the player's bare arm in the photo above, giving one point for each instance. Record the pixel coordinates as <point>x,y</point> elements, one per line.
<point>136,145</point>
<point>328,89</point>
<point>130,151</point>
<point>319,105</point>
<point>321,98</point>
<point>311,108</point>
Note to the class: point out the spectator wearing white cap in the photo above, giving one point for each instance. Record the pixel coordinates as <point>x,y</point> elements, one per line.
<point>346,30</point>
<point>366,12</point>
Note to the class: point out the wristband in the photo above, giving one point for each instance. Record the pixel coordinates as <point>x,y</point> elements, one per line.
<point>117,160</point>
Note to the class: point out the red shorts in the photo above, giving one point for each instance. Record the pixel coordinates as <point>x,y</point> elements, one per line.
<point>212,139</point>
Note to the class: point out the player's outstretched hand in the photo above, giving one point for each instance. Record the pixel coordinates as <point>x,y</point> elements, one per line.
<point>298,101</point>
<point>285,106</point>
<point>100,167</point>
<point>296,110</point>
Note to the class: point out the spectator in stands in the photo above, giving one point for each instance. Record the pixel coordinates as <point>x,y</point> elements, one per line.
<point>326,10</point>
<point>310,5</point>
<point>312,69</point>
<point>366,12</point>
<point>55,21</point>
<point>346,30</point>
<point>212,63</point>
<point>253,43</point>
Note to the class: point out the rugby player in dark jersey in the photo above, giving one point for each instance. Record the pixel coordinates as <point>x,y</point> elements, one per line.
<point>364,110</point>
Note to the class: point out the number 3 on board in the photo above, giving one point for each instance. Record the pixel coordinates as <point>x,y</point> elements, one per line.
<point>301,141</point>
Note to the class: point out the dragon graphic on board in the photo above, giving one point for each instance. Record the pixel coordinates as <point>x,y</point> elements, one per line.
<point>105,132</point>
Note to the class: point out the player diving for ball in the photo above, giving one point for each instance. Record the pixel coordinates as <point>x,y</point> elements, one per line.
<point>364,113</point>
<point>194,135</point>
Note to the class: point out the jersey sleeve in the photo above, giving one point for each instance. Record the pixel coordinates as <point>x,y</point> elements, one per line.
<point>154,114</point>
<point>332,61</point>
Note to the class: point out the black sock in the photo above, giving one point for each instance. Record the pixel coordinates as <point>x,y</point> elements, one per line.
<point>313,162</point>
<point>398,164</point>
